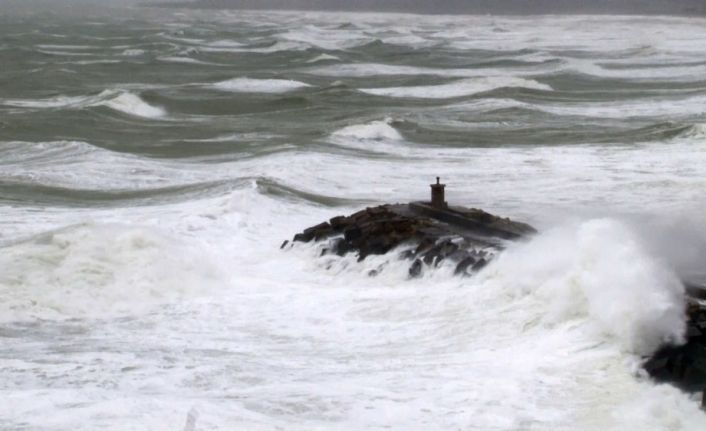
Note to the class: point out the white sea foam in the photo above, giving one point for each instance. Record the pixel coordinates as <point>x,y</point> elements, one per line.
<point>224,43</point>
<point>251,85</point>
<point>461,88</point>
<point>329,39</point>
<point>98,271</point>
<point>598,271</point>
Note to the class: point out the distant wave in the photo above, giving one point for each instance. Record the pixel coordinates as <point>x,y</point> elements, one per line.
<point>123,101</point>
<point>68,47</point>
<point>376,130</point>
<point>629,70</point>
<point>250,85</point>
<point>277,189</point>
<point>133,52</point>
<point>53,152</point>
<point>268,49</point>
<point>65,53</point>
<point>361,70</point>
<point>186,60</point>
<point>236,137</point>
<point>323,57</point>
<point>132,104</point>
<point>460,88</point>
<point>322,38</point>
<point>377,136</point>
<point>696,131</point>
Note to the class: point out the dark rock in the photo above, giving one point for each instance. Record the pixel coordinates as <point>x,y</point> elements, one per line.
<point>284,244</point>
<point>693,331</point>
<point>302,237</point>
<point>407,254</point>
<point>685,365</point>
<point>424,245</point>
<point>479,265</point>
<point>340,246</point>
<point>436,234</point>
<point>352,233</point>
<point>464,264</point>
<point>339,223</point>
<point>416,269</point>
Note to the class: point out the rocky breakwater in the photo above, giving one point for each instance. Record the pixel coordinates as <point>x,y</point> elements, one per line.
<point>424,233</point>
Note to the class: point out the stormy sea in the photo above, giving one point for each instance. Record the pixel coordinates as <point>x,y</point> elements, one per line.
<point>152,162</point>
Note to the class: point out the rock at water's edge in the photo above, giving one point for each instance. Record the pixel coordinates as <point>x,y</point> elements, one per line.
<point>464,236</point>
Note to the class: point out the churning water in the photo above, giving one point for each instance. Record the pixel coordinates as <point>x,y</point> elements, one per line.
<point>151,164</point>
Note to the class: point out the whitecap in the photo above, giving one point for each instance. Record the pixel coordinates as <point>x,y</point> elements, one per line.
<point>250,85</point>
<point>132,104</point>
<point>460,88</point>
<point>185,60</point>
<point>378,136</point>
<point>133,52</point>
<point>323,57</point>
<point>376,130</point>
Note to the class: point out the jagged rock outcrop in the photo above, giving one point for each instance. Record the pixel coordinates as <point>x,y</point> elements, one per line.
<point>468,237</point>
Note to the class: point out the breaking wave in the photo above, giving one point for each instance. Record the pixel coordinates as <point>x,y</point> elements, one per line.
<point>376,130</point>
<point>598,272</point>
<point>132,104</point>
<point>98,271</point>
<point>696,131</point>
<point>118,100</point>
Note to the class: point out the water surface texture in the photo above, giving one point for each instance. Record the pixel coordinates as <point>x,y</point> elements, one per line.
<point>151,164</point>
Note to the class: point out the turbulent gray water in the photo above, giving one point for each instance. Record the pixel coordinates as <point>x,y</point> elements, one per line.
<point>152,162</point>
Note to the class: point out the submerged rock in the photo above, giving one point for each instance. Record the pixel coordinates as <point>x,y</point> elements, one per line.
<point>468,237</point>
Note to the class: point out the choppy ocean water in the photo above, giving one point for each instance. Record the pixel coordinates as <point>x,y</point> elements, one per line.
<point>152,162</point>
